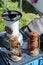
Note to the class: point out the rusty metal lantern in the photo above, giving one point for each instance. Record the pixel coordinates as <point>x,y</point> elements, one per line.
<point>34,44</point>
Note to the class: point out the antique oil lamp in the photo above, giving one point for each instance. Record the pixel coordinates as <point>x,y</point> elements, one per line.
<point>12,24</point>
<point>34,44</point>
<point>15,37</point>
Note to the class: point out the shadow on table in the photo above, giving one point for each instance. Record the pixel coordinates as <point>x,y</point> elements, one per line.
<point>41,42</point>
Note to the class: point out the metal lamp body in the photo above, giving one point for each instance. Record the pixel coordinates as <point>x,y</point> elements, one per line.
<point>12,24</point>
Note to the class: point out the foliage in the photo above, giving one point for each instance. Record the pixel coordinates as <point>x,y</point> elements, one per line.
<point>1,3</point>
<point>28,13</point>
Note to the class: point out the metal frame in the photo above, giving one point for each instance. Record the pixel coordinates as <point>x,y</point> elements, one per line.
<point>21,5</point>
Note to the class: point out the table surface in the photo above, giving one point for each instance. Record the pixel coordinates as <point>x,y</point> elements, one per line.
<point>25,57</point>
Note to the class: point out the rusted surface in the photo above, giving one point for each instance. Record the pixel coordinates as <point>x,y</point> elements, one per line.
<point>8,30</point>
<point>15,47</point>
<point>33,43</point>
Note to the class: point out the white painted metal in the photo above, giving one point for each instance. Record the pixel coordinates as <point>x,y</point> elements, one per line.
<point>14,26</point>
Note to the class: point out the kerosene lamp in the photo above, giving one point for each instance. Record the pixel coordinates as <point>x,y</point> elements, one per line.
<point>15,37</point>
